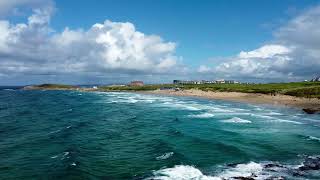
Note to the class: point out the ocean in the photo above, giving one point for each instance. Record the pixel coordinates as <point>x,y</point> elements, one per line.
<point>120,135</point>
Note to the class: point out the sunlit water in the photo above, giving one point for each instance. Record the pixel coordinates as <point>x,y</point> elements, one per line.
<point>92,135</point>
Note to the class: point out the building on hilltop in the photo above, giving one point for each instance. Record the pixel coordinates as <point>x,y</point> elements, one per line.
<point>187,82</point>
<point>220,81</point>
<point>136,83</point>
<point>176,81</point>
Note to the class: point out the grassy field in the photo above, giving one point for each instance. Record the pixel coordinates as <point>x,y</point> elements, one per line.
<point>55,86</point>
<point>299,89</point>
<point>136,88</point>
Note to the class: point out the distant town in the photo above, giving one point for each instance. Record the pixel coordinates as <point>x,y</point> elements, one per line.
<point>189,82</point>
<point>221,81</point>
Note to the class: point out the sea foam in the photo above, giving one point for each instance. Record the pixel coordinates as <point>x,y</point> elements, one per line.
<point>181,172</point>
<point>185,172</point>
<point>236,120</point>
<point>243,170</point>
<point>165,156</point>
<point>203,115</point>
<point>314,138</point>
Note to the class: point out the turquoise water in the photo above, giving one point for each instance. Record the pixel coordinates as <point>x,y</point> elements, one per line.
<point>92,135</point>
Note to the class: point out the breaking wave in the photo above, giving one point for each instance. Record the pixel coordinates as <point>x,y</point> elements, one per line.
<point>236,120</point>
<point>185,172</point>
<point>165,156</point>
<point>203,115</point>
<point>314,138</point>
<point>250,171</point>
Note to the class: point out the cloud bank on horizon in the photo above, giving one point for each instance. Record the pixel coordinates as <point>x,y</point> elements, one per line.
<point>111,48</point>
<point>293,54</point>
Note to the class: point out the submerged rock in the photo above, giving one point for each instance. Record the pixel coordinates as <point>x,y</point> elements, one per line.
<point>270,165</point>
<point>276,178</point>
<point>311,163</point>
<point>244,178</point>
<point>311,110</point>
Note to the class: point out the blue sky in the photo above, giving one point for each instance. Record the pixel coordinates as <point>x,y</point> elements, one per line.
<point>202,29</point>
<point>184,39</point>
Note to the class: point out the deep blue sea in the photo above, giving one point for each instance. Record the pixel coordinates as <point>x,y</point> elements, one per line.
<point>118,135</point>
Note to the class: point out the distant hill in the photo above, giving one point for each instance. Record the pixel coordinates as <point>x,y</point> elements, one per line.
<point>51,86</point>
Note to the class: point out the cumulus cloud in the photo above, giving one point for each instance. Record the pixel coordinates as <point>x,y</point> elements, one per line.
<point>264,62</point>
<point>267,51</point>
<point>293,55</point>
<point>34,48</point>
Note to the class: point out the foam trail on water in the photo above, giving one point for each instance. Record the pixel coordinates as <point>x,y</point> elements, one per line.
<point>314,138</point>
<point>165,156</point>
<point>274,119</point>
<point>203,115</point>
<point>236,120</point>
<point>287,121</point>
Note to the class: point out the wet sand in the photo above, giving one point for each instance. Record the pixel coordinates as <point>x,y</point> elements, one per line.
<point>282,100</point>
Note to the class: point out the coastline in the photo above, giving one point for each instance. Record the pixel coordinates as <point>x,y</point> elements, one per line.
<point>308,105</point>
<point>253,98</point>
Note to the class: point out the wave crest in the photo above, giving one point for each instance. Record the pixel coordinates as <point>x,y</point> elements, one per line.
<point>203,115</point>
<point>237,120</point>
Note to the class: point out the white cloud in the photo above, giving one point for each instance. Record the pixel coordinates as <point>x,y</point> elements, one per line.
<point>259,63</point>
<point>109,47</point>
<point>293,55</point>
<point>267,51</point>
<point>204,69</point>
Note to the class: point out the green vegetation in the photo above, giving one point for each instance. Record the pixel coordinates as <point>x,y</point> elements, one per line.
<point>55,86</point>
<point>308,92</point>
<point>136,88</point>
<point>299,89</point>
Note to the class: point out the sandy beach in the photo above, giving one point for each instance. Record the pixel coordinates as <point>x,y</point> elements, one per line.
<point>282,100</point>
<point>310,105</point>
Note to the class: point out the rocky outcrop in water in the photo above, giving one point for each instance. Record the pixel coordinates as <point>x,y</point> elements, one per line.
<point>311,163</point>
<point>275,171</point>
<point>311,110</point>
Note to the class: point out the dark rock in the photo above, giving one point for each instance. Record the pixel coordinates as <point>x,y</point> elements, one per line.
<point>232,164</point>
<point>243,178</point>
<point>276,178</point>
<point>311,163</point>
<point>272,166</point>
<point>311,110</point>
<point>297,173</point>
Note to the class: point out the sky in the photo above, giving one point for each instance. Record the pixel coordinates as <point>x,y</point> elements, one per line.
<point>117,41</point>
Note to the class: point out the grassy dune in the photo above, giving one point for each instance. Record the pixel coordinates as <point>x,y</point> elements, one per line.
<point>51,86</point>
<point>299,89</point>
<point>135,88</point>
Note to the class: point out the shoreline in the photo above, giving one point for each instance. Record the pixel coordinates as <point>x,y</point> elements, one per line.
<point>308,105</point>
<point>253,98</point>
